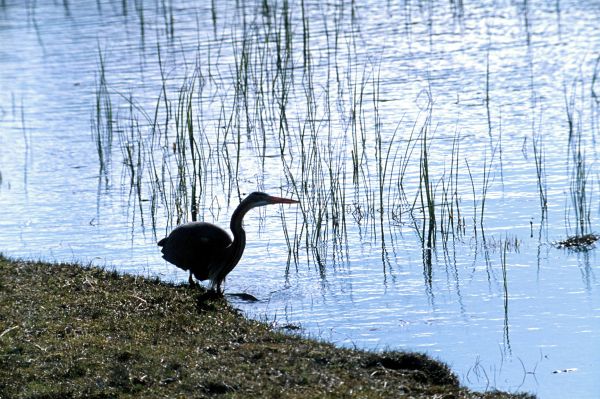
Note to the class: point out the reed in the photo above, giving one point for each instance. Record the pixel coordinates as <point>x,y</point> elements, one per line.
<point>102,120</point>
<point>427,192</point>
<point>451,217</point>
<point>139,7</point>
<point>579,189</point>
<point>539,158</point>
<point>506,295</point>
<point>168,18</point>
<point>487,89</point>
<point>487,170</point>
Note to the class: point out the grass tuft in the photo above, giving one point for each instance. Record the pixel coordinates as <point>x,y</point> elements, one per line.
<point>578,243</point>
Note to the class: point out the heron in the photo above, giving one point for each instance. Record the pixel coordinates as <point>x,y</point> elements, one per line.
<point>207,251</point>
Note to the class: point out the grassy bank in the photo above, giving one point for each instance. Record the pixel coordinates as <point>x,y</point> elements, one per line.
<point>68,331</point>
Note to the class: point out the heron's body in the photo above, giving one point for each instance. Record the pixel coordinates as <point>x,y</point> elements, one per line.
<point>195,247</point>
<point>207,251</point>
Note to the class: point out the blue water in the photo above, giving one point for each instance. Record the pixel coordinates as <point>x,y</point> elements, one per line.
<point>498,302</point>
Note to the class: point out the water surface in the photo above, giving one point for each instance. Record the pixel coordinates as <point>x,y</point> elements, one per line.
<point>480,82</point>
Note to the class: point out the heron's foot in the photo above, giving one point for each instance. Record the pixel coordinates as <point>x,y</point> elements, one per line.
<point>216,293</point>
<point>208,301</point>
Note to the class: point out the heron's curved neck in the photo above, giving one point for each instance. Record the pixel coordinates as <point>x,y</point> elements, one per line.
<point>236,220</point>
<point>239,235</point>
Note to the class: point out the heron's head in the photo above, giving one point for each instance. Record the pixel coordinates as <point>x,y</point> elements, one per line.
<point>254,200</point>
<point>258,198</point>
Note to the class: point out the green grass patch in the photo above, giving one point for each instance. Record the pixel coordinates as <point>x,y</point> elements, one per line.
<point>68,331</point>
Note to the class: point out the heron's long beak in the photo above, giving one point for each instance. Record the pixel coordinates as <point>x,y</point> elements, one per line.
<point>281,200</point>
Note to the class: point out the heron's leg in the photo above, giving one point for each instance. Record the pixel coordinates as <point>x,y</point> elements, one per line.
<point>191,280</point>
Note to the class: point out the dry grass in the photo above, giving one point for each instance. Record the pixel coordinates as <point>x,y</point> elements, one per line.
<point>580,243</point>
<point>73,332</point>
